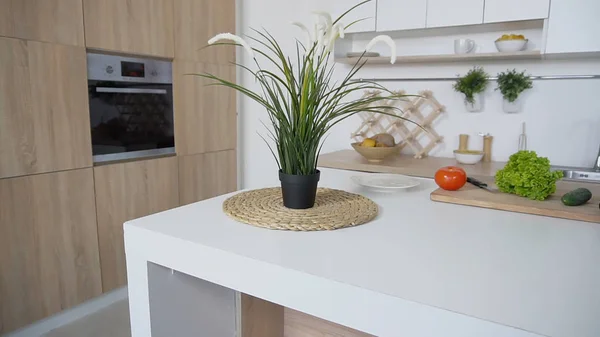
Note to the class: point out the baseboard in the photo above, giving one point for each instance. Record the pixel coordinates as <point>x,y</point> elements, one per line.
<point>65,317</point>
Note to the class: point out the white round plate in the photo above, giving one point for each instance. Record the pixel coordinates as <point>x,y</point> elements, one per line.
<point>385,182</point>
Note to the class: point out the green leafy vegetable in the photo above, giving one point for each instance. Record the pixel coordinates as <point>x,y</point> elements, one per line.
<point>512,83</point>
<point>528,175</point>
<point>474,82</point>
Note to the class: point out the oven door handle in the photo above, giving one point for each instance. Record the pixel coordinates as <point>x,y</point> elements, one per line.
<point>131,91</point>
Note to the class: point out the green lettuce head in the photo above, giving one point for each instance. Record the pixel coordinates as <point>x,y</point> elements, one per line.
<point>528,175</point>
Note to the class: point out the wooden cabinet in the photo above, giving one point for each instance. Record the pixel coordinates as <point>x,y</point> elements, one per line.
<point>444,13</point>
<point>127,191</point>
<point>205,116</point>
<point>207,175</point>
<point>48,246</point>
<point>368,12</point>
<point>260,318</point>
<point>58,21</point>
<point>196,22</point>
<point>44,113</point>
<point>515,10</point>
<point>298,324</point>
<point>573,26</point>
<point>143,27</point>
<point>401,14</point>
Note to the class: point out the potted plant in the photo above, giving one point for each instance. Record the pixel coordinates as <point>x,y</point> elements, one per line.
<point>302,101</point>
<point>472,85</point>
<point>511,84</point>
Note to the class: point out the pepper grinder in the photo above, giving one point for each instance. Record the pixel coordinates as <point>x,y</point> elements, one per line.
<point>487,147</point>
<point>463,143</point>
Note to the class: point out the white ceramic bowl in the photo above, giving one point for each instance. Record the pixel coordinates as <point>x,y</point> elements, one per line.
<point>508,46</point>
<point>468,158</point>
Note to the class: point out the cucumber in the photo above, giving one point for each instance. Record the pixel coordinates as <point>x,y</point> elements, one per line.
<point>577,197</point>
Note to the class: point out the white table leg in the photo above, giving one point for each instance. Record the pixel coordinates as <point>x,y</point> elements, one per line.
<point>137,279</point>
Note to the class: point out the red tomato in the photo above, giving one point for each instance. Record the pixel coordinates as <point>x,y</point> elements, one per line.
<point>450,178</point>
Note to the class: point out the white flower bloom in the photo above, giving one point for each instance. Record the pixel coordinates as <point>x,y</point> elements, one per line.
<point>309,40</point>
<point>340,29</point>
<point>336,32</point>
<point>234,38</point>
<point>387,40</point>
<point>324,30</point>
<point>325,17</point>
<point>321,38</point>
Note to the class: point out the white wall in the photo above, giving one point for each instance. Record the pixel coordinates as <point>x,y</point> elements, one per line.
<point>563,117</point>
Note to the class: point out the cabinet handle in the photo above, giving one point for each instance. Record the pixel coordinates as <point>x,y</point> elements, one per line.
<point>131,91</point>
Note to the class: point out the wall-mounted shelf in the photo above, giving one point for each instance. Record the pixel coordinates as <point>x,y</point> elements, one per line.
<point>522,55</point>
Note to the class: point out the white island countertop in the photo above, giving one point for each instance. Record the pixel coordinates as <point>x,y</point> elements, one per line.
<point>420,269</point>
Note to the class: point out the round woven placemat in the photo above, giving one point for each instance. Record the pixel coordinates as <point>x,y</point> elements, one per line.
<point>334,209</point>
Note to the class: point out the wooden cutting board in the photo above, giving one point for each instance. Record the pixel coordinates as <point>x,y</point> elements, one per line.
<point>470,195</point>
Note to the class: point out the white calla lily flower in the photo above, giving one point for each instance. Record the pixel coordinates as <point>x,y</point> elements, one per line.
<point>387,40</point>
<point>234,38</point>
<point>340,29</point>
<point>309,38</point>
<point>325,17</point>
<point>336,32</point>
<point>324,30</point>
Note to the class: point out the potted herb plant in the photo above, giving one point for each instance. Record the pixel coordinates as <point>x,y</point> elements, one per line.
<point>511,84</point>
<point>472,85</point>
<point>302,100</point>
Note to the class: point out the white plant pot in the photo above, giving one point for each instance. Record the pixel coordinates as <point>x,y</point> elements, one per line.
<point>511,107</point>
<point>477,104</point>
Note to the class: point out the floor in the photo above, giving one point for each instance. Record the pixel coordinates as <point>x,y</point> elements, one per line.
<point>112,321</point>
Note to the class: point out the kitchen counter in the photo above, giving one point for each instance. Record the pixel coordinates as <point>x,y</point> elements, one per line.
<point>403,164</point>
<point>420,269</point>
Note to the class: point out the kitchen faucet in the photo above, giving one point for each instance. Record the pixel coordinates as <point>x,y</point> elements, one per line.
<point>583,174</point>
<point>597,165</point>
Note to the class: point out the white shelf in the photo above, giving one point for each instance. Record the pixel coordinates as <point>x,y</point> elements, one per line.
<point>522,55</point>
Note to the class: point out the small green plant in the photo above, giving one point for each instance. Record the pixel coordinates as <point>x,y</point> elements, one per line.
<point>528,175</point>
<point>512,83</point>
<point>474,82</point>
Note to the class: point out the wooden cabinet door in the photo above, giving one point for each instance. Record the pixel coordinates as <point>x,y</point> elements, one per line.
<point>44,112</point>
<point>124,192</point>
<point>368,12</point>
<point>207,175</point>
<point>401,14</point>
<point>143,27</point>
<point>193,33</point>
<point>48,246</point>
<point>17,148</point>
<point>445,13</point>
<point>573,26</point>
<point>515,10</point>
<point>57,21</point>
<point>205,116</point>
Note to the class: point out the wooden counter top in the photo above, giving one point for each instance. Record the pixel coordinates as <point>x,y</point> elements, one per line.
<point>403,164</point>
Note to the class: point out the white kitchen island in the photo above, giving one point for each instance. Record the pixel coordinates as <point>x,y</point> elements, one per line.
<point>420,269</point>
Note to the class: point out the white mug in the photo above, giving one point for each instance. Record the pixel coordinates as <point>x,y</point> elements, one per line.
<point>463,46</point>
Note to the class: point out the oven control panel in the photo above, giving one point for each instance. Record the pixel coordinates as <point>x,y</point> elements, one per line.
<point>103,67</point>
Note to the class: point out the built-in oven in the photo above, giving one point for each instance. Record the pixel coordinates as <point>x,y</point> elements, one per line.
<point>131,107</point>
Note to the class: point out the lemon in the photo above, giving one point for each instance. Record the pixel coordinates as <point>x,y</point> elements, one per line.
<point>368,142</point>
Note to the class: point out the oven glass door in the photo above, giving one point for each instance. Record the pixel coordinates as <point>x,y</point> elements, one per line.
<point>130,120</point>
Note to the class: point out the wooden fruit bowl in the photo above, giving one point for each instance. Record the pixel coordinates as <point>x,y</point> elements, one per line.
<point>375,154</point>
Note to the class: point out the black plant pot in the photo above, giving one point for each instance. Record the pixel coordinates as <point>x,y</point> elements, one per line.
<point>299,191</point>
